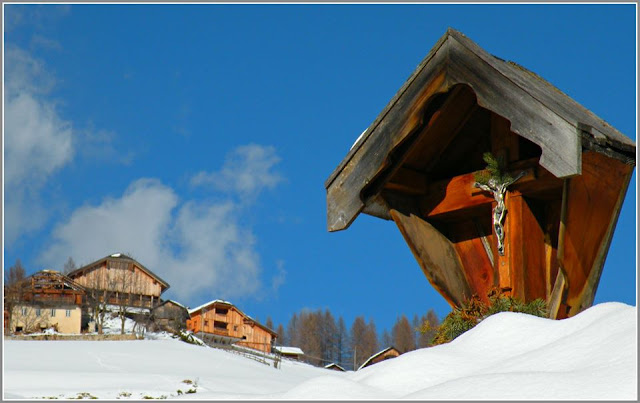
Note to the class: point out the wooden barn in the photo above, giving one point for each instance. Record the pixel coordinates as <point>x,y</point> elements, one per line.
<point>46,299</point>
<point>386,354</point>
<point>121,280</point>
<point>221,322</point>
<point>538,224</point>
<point>170,315</point>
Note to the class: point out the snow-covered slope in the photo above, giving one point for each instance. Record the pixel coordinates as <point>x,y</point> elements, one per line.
<point>507,356</point>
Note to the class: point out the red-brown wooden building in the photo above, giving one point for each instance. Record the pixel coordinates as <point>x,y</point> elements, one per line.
<point>220,322</point>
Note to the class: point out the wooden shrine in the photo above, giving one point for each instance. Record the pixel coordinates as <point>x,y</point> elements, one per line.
<point>418,164</point>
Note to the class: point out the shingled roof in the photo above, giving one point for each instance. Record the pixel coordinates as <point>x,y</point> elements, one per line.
<point>537,111</point>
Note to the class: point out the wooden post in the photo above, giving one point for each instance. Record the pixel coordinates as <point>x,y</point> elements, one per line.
<point>436,255</point>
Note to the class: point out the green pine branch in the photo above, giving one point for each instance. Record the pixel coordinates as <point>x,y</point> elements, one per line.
<point>495,169</point>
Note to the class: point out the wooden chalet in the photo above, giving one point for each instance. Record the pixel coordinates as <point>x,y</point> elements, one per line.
<point>543,233</point>
<point>46,299</point>
<point>221,322</point>
<point>170,315</point>
<point>121,280</point>
<point>387,353</point>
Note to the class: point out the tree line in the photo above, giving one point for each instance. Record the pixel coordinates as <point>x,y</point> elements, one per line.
<point>325,339</point>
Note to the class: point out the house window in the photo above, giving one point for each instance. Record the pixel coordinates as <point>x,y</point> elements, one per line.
<point>53,312</point>
<point>206,323</point>
<point>24,311</point>
<point>68,313</point>
<point>219,325</point>
<point>38,312</point>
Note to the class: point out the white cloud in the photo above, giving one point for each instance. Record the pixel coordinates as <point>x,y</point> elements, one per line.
<point>279,278</point>
<point>137,222</point>
<point>198,247</point>
<point>38,142</point>
<point>247,171</point>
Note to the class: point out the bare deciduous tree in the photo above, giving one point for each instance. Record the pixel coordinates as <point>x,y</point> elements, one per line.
<point>69,266</point>
<point>13,295</point>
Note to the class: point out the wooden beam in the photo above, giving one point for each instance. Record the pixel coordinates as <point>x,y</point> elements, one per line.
<point>408,181</point>
<point>593,203</point>
<point>476,257</point>
<point>589,292</point>
<point>436,256</point>
<point>525,236</point>
<point>555,299</point>
<point>443,125</point>
<point>458,193</point>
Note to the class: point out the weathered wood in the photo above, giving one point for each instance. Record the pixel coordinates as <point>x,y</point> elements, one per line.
<point>443,124</point>
<point>436,255</point>
<point>536,110</point>
<point>593,201</point>
<point>408,181</point>
<point>459,105</point>
<point>591,207</point>
<point>555,299</point>
<point>591,286</point>
<point>344,200</point>
<point>561,148</point>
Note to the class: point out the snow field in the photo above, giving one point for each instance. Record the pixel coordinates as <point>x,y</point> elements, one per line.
<point>507,356</point>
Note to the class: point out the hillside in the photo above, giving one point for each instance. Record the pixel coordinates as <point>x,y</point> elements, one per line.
<point>508,356</point>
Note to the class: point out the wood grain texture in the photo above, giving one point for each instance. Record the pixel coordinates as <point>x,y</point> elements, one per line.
<point>593,203</point>
<point>436,256</point>
<point>476,263</point>
<point>536,111</point>
<point>526,237</point>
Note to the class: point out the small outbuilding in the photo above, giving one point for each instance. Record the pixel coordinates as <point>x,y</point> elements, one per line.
<point>494,177</point>
<point>335,367</point>
<point>294,353</point>
<point>386,354</point>
<point>170,315</point>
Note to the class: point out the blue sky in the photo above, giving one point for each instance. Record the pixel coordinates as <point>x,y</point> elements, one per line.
<point>197,138</point>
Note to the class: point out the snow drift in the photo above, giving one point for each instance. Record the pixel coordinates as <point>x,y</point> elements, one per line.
<point>507,356</point>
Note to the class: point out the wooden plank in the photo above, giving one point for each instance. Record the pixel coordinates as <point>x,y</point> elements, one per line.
<point>589,292</point>
<point>457,193</point>
<point>560,103</point>
<point>531,119</point>
<point>476,263</point>
<point>408,181</point>
<point>555,299</point>
<point>436,256</point>
<point>344,201</point>
<point>593,199</point>
<point>443,124</point>
<point>526,261</point>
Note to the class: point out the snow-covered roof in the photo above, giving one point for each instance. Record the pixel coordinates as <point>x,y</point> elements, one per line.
<point>177,303</point>
<point>288,350</point>
<point>215,301</point>
<point>333,364</point>
<point>379,353</point>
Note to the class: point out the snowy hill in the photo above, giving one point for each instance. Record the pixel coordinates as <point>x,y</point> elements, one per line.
<point>507,356</point>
